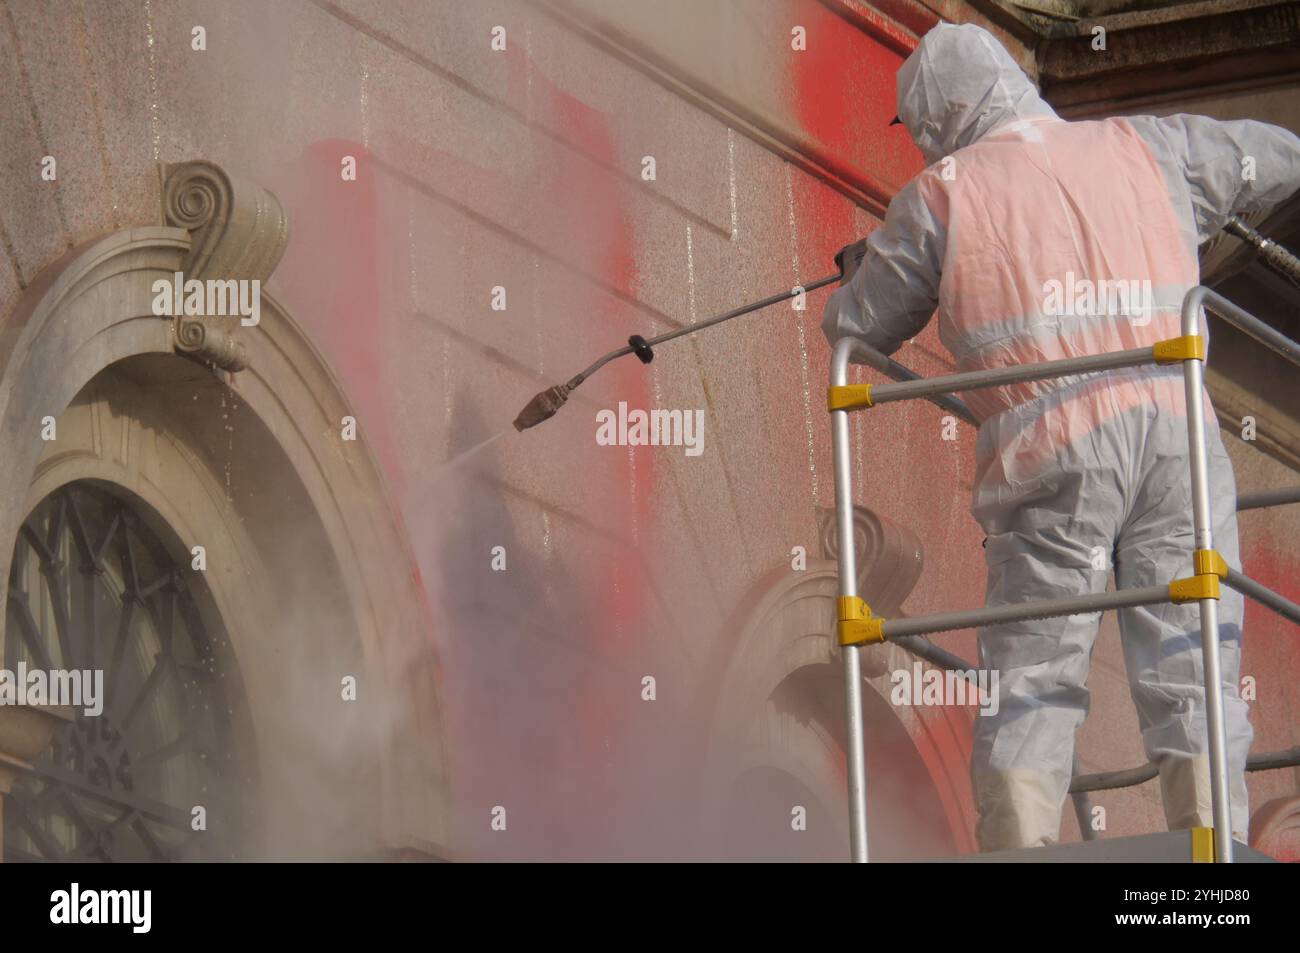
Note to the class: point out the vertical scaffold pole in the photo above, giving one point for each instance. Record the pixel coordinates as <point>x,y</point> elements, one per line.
<point>856,742</point>
<point>1193,376</point>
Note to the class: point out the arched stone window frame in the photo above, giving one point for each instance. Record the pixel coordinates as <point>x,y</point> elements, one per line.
<point>781,641</point>
<point>91,312</point>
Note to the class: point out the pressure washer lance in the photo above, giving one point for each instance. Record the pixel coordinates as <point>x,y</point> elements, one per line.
<point>847,259</point>
<point>1270,252</point>
<point>545,404</point>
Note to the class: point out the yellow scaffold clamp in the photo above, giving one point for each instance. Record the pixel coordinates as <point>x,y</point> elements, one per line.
<point>1209,567</point>
<point>1194,588</point>
<point>849,397</point>
<point>1189,347</point>
<point>857,626</point>
<point>1209,561</point>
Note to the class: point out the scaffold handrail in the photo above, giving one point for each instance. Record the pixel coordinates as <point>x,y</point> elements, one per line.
<point>1243,321</point>
<point>1258,499</point>
<point>1263,595</point>
<point>1265,498</point>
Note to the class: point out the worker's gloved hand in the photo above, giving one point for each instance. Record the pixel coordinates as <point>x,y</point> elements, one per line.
<point>843,314</point>
<point>848,258</point>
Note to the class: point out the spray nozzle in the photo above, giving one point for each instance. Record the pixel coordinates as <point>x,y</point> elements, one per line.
<point>545,404</point>
<point>542,407</point>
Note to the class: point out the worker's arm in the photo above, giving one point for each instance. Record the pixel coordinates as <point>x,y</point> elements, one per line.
<point>896,288</point>
<point>1240,167</point>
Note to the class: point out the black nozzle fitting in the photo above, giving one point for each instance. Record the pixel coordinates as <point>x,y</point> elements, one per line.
<point>641,348</point>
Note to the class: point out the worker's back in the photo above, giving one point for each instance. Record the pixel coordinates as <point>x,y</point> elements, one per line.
<point>1082,254</point>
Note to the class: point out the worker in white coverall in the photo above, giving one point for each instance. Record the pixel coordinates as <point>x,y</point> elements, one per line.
<point>1018,215</point>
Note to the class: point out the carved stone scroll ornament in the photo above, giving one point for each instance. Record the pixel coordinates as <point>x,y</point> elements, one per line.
<point>202,339</point>
<point>889,557</point>
<point>238,231</point>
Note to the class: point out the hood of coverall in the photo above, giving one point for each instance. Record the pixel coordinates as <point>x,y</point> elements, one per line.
<point>959,84</point>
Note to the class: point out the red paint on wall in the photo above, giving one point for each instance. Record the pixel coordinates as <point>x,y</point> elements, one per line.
<point>1269,640</point>
<point>578,191</point>
<point>331,274</point>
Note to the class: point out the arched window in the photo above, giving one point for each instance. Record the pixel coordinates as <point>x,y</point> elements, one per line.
<point>100,584</point>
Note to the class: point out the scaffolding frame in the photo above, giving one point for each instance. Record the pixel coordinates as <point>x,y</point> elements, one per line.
<point>858,628</point>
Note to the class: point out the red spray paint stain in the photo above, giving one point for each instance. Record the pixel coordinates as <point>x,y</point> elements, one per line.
<point>331,274</point>
<point>578,193</point>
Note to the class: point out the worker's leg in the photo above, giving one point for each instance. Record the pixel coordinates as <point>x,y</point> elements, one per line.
<point>1162,644</point>
<point>1050,535</point>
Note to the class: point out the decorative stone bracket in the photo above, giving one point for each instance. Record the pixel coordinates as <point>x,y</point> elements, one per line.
<point>889,556</point>
<point>238,231</point>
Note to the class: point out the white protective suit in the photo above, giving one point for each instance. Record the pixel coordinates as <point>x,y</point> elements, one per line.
<point>1037,239</point>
